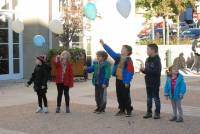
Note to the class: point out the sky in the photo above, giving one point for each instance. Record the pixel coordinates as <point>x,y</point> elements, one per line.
<point>113,28</point>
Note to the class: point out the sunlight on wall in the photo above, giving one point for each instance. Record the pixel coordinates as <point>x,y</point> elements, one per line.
<point>34,10</point>
<point>113,28</point>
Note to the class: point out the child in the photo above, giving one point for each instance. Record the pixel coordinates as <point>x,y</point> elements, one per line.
<point>152,73</point>
<point>175,89</point>
<point>123,70</point>
<point>39,78</point>
<point>101,76</point>
<point>64,79</point>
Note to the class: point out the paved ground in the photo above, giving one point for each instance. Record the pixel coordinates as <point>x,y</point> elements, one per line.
<point>17,105</point>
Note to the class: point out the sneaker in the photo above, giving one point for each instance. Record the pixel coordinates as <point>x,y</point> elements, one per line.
<point>147,115</point>
<point>100,112</point>
<point>96,110</point>
<point>45,110</point>
<point>179,120</point>
<point>67,110</point>
<point>120,113</point>
<point>58,110</point>
<point>129,114</point>
<point>174,118</point>
<point>156,116</point>
<point>38,110</point>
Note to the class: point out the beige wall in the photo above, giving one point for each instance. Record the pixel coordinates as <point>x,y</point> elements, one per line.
<point>30,50</point>
<point>35,14</point>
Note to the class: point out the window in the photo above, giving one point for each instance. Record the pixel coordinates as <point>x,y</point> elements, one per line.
<point>4,54</point>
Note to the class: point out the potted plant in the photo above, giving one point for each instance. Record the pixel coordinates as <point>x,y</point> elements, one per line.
<point>78,60</point>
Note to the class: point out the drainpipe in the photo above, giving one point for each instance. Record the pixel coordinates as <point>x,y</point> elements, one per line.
<point>50,18</point>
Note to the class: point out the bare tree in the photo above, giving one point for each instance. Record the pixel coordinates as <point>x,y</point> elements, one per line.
<point>73,21</point>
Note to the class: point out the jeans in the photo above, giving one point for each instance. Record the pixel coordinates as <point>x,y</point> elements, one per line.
<point>100,97</point>
<point>153,93</point>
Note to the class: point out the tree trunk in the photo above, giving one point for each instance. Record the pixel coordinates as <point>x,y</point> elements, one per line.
<point>164,30</point>
<point>178,29</point>
<point>168,37</point>
<point>153,29</point>
<point>66,44</point>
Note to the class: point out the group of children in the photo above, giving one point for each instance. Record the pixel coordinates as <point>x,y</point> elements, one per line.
<point>123,70</point>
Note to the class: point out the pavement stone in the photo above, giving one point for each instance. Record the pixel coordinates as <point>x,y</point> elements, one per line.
<point>18,103</point>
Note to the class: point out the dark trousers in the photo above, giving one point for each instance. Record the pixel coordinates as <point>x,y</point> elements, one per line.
<point>61,88</point>
<point>100,97</point>
<point>153,93</point>
<point>123,96</point>
<point>42,97</point>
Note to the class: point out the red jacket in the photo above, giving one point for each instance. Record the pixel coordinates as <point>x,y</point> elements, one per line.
<point>68,76</point>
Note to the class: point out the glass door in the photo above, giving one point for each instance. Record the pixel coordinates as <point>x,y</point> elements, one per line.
<point>4,45</point>
<point>11,64</point>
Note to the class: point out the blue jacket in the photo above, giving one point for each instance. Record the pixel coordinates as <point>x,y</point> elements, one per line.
<point>104,73</point>
<point>179,89</point>
<point>128,69</point>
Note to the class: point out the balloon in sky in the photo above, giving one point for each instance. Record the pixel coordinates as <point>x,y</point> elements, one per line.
<point>17,26</point>
<point>124,7</point>
<point>56,27</point>
<point>39,40</point>
<point>90,11</point>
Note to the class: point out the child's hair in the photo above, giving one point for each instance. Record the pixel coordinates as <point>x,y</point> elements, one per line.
<point>153,46</point>
<point>66,55</point>
<point>102,54</point>
<point>129,49</point>
<point>169,70</point>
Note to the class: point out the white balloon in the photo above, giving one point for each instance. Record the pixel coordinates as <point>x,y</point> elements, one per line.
<point>56,26</point>
<point>124,7</point>
<point>18,26</point>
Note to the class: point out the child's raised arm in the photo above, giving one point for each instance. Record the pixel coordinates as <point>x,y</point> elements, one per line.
<point>57,59</point>
<point>109,50</point>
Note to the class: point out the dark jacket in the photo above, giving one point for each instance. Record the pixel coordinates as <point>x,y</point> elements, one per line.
<point>152,71</point>
<point>39,78</point>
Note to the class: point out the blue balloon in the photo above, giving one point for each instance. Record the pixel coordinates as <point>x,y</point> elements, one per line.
<point>39,40</point>
<point>90,11</point>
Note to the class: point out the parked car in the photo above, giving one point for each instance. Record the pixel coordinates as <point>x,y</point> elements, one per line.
<point>157,32</point>
<point>182,25</point>
<point>192,33</point>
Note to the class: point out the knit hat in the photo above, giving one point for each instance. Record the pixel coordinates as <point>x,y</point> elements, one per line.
<point>41,58</point>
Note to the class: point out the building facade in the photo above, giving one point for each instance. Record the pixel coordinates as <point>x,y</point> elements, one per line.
<point>17,51</point>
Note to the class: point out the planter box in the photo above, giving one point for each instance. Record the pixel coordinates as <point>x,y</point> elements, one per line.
<point>78,68</point>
